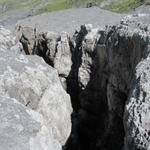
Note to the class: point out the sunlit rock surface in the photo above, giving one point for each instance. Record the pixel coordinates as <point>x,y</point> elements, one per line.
<point>34,84</point>
<point>23,129</point>
<point>8,41</point>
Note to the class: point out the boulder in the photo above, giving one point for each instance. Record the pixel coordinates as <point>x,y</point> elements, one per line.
<point>23,129</point>
<point>37,86</point>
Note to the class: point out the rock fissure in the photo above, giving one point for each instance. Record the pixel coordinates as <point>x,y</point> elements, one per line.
<point>102,70</point>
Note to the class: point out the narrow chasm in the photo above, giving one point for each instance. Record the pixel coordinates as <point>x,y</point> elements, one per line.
<point>104,78</point>
<point>89,96</point>
<point>97,68</point>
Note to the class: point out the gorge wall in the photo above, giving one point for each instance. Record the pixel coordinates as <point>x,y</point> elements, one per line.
<point>106,74</point>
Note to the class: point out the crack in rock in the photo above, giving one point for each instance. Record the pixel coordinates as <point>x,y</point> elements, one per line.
<point>106,73</point>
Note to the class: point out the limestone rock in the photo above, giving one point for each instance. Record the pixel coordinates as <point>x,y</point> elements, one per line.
<point>26,35</point>
<point>8,41</point>
<point>63,56</point>
<point>97,67</point>
<point>104,69</point>
<point>137,110</point>
<point>23,129</point>
<point>36,85</point>
<point>88,47</point>
<point>54,48</point>
<point>56,51</point>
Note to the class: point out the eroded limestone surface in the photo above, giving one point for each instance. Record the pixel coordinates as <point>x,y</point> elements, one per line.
<point>38,93</point>
<point>106,73</point>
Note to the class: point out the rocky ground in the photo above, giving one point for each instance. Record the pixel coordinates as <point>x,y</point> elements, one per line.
<point>143,9</point>
<point>71,19</point>
<point>83,89</point>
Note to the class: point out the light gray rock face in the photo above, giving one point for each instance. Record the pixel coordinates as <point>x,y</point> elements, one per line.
<point>55,49</point>
<point>137,110</point>
<point>36,85</point>
<point>27,37</point>
<point>126,47</point>
<point>30,81</point>
<point>23,129</point>
<point>8,41</point>
<point>62,61</point>
<point>136,107</point>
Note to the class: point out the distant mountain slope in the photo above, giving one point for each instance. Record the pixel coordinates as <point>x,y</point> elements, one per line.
<point>113,5</point>
<point>125,5</point>
<point>11,5</point>
<point>12,11</point>
<point>40,6</point>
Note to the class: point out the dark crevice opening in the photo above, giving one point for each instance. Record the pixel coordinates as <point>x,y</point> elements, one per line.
<point>101,129</point>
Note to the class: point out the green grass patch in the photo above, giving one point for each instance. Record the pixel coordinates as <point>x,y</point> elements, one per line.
<point>124,5</point>
<point>55,6</point>
<point>9,5</point>
<point>26,4</point>
<point>65,4</point>
<point>84,2</point>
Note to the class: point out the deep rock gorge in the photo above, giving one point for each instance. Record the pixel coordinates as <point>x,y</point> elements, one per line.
<point>105,72</point>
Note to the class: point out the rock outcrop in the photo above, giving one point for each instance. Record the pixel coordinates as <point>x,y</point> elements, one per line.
<point>136,116</point>
<point>42,104</point>
<point>26,36</point>
<point>105,72</point>
<point>23,129</point>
